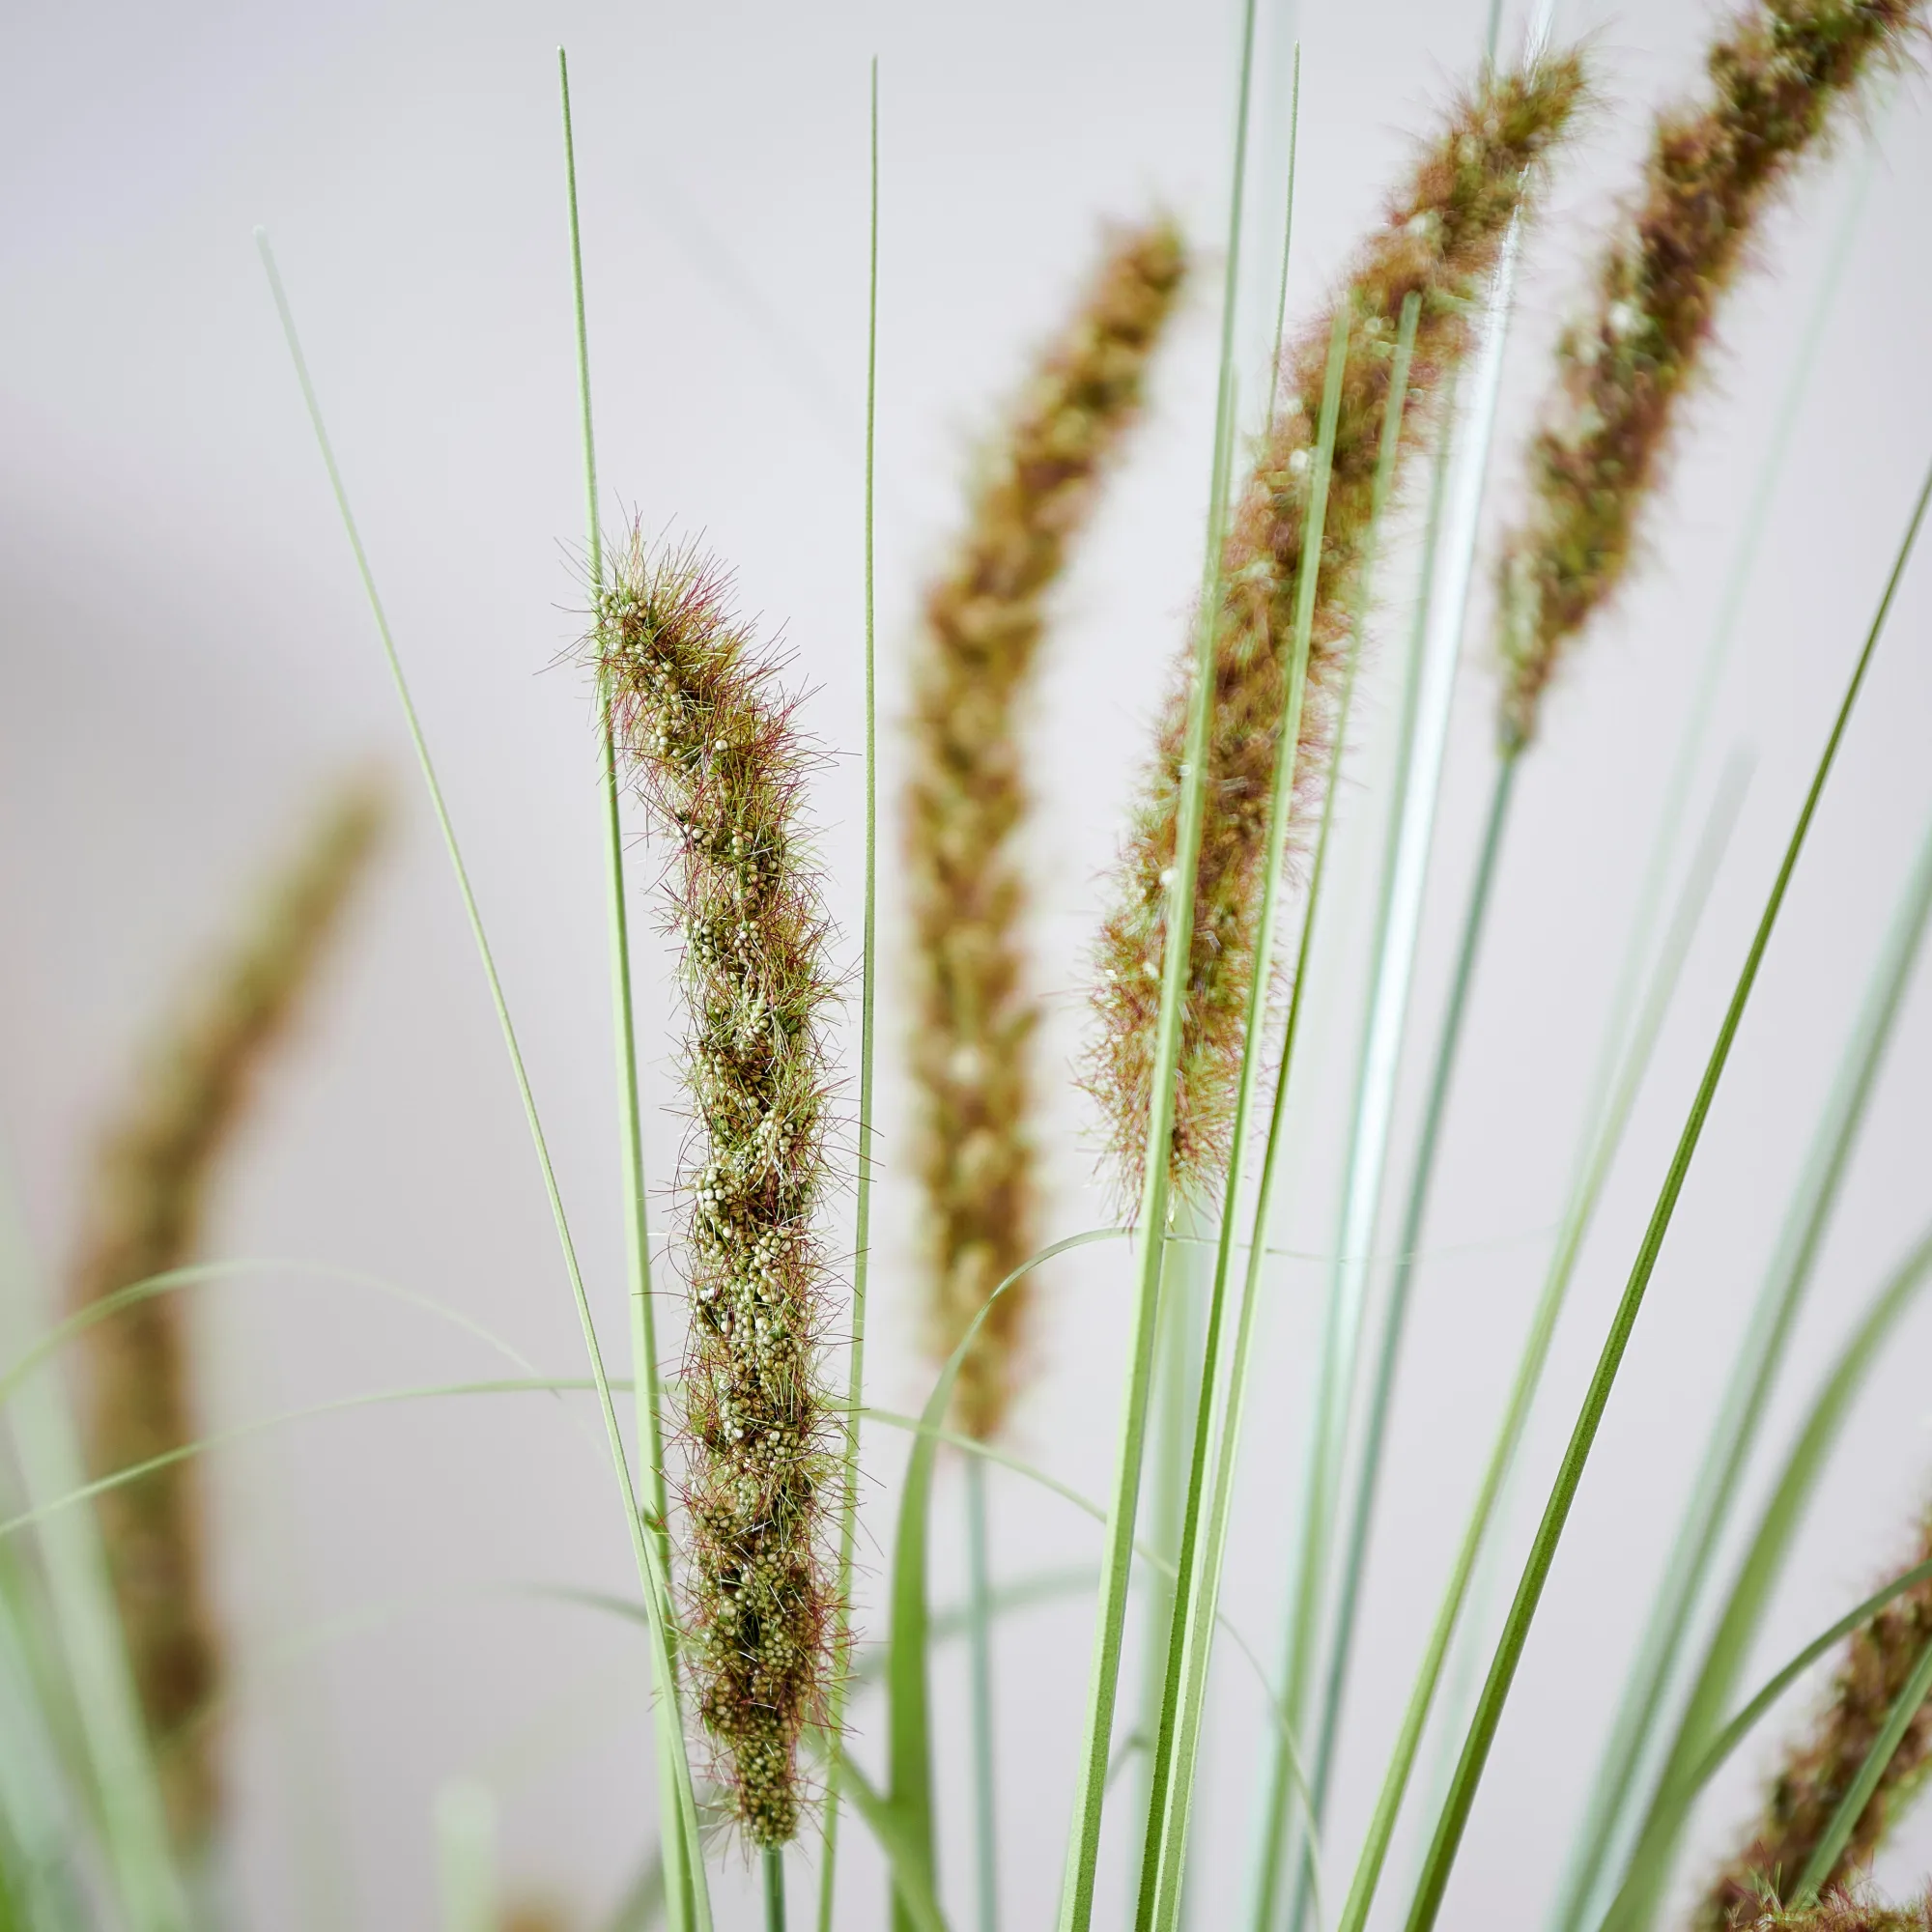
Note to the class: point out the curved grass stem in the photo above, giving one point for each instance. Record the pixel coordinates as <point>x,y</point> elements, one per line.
<point>651,1570</point>
<point>1446,1840</point>
<point>848,1514</point>
<point>1076,1908</point>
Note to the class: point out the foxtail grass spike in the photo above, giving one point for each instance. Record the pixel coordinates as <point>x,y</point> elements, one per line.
<point>708,737</point>
<point>1849,1909</point>
<point>1439,239</point>
<point>1776,84</point>
<point>1879,1662</point>
<point>966,799</point>
<point>144,1213</point>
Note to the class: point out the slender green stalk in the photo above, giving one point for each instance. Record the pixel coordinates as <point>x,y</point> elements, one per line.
<point>1271,1863</point>
<point>648,1400</point>
<point>772,1859</point>
<point>1396,954</point>
<point>1448,1834</point>
<point>1615,1784</point>
<point>1850,1807</point>
<point>1287,237</point>
<point>1536,1348</point>
<point>1076,1908</point>
<point>651,1572</point>
<point>1169,1801</point>
<point>1758,1360</point>
<point>979,1675</point>
<point>1204,1591</point>
<point>1740,1727</point>
<point>465,1856</point>
<point>1757,1574</point>
<point>1375,1437</point>
<point>848,1520</point>
<point>113,1740</point>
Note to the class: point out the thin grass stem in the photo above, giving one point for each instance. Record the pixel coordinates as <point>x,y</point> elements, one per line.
<point>652,1573</point>
<point>772,1860</point>
<point>980,1679</point>
<point>1397,949</point>
<point>1170,1806</point>
<point>1851,1806</point>
<point>113,1739</point>
<point>1446,1840</point>
<point>1272,1862</point>
<point>648,1402</point>
<point>848,1518</point>
<point>1535,1352</point>
<point>1763,1561</point>
<point>1076,1908</point>
<point>1614,1789</point>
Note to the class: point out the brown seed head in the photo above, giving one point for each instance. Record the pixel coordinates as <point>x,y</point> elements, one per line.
<point>967,795</point>
<point>1439,242</point>
<point>143,1214</point>
<point>1776,84</point>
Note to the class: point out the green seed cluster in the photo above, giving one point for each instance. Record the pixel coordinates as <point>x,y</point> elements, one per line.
<point>143,1214</point>
<point>1806,1793</point>
<point>1714,166</point>
<point>966,798</point>
<point>1439,242</point>
<point>711,748</point>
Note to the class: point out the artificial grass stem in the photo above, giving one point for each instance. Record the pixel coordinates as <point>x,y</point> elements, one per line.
<point>1446,1840</point>
<point>648,1400</point>
<point>1076,1910</point>
<point>652,1577</point>
<point>848,1520</point>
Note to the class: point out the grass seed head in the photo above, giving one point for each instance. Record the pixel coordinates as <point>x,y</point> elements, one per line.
<point>1438,240</point>
<point>142,1216</point>
<point>967,796</point>
<point>1777,84</point>
<point>709,740</point>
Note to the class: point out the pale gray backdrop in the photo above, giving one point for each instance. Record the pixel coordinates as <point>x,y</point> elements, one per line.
<point>185,657</point>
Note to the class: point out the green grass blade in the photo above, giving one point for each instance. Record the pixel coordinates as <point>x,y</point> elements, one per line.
<point>465,1856</point>
<point>113,1737</point>
<point>1741,1726</point>
<point>1883,1748</point>
<point>172,1280</point>
<point>1764,1560</point>
<point>1272,1849</point>
<point>1396,947</point>
<point>912,1875</point>
<point>647,1402</point>
<point>1395,1319</point>
<point>1170,1805</point>
<point>1605,1136</point>
<point>650,1567</point>
<point>979,1673</point>
<point>848,1520</point>
<point>1759,1359</point>
<point>1448,1834</point>
<point>1615,1787</point>
<point>1076,1908</point>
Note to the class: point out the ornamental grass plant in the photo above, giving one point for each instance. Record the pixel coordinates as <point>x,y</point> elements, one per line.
<point>1154,1395</point>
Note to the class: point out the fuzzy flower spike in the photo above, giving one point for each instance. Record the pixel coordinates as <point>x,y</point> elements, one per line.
<point>966,797</point>
<point>1777,81</point>
<point>708,737</point>
<point>144,1213</point>
<point>1439,242</point>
